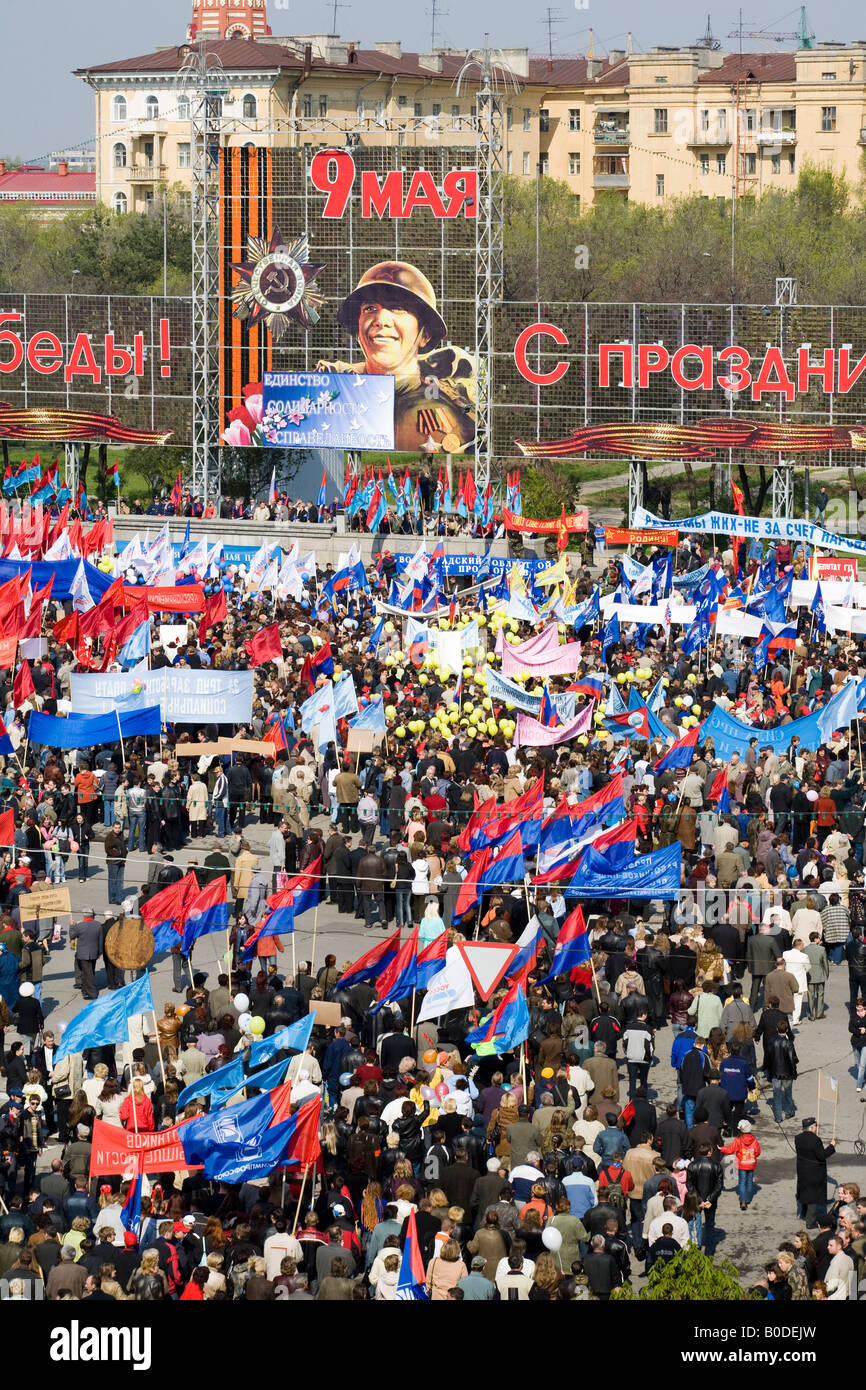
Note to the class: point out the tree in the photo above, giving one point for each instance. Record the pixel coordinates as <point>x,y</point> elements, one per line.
<point>690,1277</point>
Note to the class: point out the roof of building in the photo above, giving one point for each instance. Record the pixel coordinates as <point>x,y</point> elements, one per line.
<point>752,67</point>
<point>233,54</point>
<point>46,185</point>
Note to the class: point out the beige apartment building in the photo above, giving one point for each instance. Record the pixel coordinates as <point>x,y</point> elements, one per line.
<point>645,126</point>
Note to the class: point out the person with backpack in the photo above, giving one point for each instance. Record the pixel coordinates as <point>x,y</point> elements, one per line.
<point>748,1151</point>
<point>614,1184</point>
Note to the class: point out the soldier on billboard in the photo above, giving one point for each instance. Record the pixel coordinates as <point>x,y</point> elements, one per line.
<point>392,312</point>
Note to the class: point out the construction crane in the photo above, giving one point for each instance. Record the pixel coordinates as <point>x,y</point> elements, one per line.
<point>804,35</point>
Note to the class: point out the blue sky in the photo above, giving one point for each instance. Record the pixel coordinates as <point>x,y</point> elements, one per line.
<point>42,106</point>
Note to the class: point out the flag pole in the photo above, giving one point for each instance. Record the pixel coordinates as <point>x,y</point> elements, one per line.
<point>120,736</point>
<point>229,957</point>
<point>313,948</point>
<point>300,1195</point>
<point>523,1069</point>
<point>158,1048</point>
<point>594,979</point>
<point>412,1023</point>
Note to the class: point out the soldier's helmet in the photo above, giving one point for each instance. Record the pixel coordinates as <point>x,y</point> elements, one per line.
<point>401,286</point>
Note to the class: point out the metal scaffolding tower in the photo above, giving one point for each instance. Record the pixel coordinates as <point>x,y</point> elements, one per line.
<point>202,77</point>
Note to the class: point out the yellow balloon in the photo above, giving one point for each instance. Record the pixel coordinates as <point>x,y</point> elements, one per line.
<point>454,714</point>
<point>666,680</point>
<point>487,703</point>
<point>481,620</point>
<point>468,706</point>
<point>391,711</point>
<point>691,678</point>
<point>503,726</point>
<point>491,656</point>
<point>629,675</point>
<point>539,690</point>
<point>512,623</point>
<point>560,627</point>
<point>389,627</point>
<point>621,678</point>
<point>491,726</point>
<point>598,718</point>
<point>399,732</point>
<point>444,624</point>
<point>696,709</point>
<point>582,738</point>
<point>422,680</point>
<point>467,671</point>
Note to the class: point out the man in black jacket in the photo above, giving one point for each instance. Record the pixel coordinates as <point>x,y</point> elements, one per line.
<point>780,1065</point>
<point>705,1178</point>
<point>601,1269</point>
<point>812,1158</point>
<point>693,1074</point>
<point>712,1102</point>
<point>855,954</point>
<point>672,1137</point>
<point>604,1028</point>
<point>409,1128</point>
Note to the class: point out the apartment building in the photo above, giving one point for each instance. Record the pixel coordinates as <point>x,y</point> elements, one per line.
<point>645,126</point>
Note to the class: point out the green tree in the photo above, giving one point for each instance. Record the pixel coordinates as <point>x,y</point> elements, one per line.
<point>690,1277</point>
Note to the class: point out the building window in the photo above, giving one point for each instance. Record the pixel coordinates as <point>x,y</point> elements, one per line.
<point>544,120</point>
<point>828,77</point>
<point>151,109</point>
<point>574,164</point>
<point>574,118</point>
<point>660,120</point>
<point>509,119</point>
<point>660,185</point>
<point>750,120</point>
<point>251,107</point>
<point>791,162</point>
<point>660,81</point>
<point>776,164</point>
<point>118,109</point>
<point>828,118</point>
<point>306,107</point>
<point>751,164</point>
<point>323,105</point>
<point>721,164</point>
<point>183,155</point>
<point>118,156</point>
<point>401,100</point>
<point>705,163</point>
<point>509,161</point>
<point>543,163</point>
<point>526,162</point>
<point>455,111</point>
<point>705,122</point>
<point>417,108</point>
<point>183,109</point>
<point>437,108</point>
<point>527,118</point>
<point>119,203</point>
<point>216,105</point>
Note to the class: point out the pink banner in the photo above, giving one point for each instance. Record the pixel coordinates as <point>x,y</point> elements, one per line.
<point>562,661</point>
<point>529,733</point>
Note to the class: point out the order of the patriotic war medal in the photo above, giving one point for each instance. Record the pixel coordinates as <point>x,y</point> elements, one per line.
<point>277,285</point>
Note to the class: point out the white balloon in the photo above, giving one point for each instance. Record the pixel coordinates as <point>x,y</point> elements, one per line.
<point>551,1238</point>
<point>241,1002</point>
<point>244,1022</point>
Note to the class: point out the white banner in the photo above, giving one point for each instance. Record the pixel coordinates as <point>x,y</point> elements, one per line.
<point>733,622</point>
<point>766,528</point>
<point>186,696</point>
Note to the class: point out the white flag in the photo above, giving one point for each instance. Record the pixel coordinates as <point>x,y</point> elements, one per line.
<point>450,988</point>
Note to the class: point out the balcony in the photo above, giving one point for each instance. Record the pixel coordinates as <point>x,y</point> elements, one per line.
<point>606,136</point>
<point>709,139</point>
<point>610,180</point>
<point>775,137</point>
<point>147,173</point>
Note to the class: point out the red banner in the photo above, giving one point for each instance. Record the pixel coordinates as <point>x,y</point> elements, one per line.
<point>186,598</point>
<point>829,567</point>
<point>578,521</point>
<point>618,535</point>
<point>115,1149</point>
<point>7,650</point>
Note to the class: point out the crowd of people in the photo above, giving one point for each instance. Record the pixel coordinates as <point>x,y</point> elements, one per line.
<point>552,1171</point>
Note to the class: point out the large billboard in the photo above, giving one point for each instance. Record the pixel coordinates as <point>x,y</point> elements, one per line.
<point>350,264</point>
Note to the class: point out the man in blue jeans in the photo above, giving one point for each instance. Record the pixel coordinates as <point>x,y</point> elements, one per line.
<point>136,801</point>
<point>780,1065</point>
<point>115,854</point>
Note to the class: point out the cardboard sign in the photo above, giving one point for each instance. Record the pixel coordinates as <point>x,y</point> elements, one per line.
<point>617,535</point>
<point>328,1014</point>
<point>362,740</point>
<point>223,745</point>
<point>50,901</point>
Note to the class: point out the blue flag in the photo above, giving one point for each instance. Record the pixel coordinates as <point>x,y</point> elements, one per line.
<point>106,1020</point>
<point>224,1080</point>
<point>295,1038</point>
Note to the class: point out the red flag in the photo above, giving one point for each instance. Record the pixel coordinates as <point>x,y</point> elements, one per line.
<point>738,496</point>
<point>7,828</point>
<point>67,629</point>
<point>304,1147</point>
<point>562,531</point>
<point>215,611</point>
<point>127,626</point>
<point>22,686</point>
<point>30,626</point>
<point>265,646</point>
<point>306,676</point>
<point>470,491</point>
